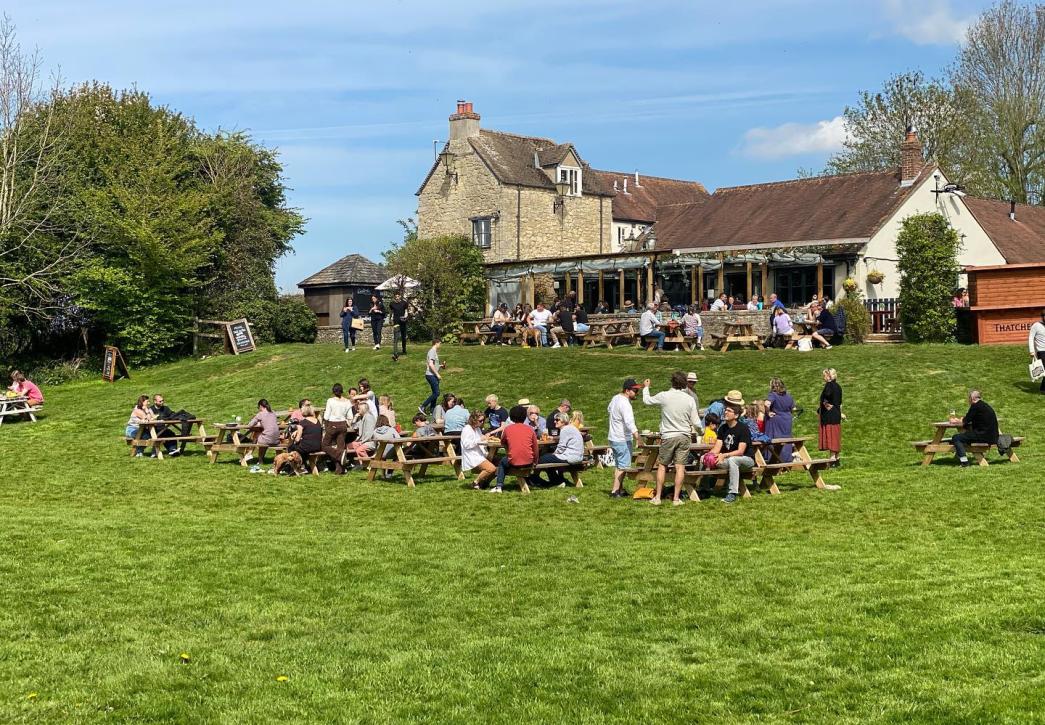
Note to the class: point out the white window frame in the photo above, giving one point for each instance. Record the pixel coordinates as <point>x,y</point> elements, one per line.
<point>478,235</point>
<point>572,175</point>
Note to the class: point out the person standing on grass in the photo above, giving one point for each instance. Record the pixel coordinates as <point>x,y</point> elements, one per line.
<point>691,391</point>
<point>377,319</point>
<point>474,451</point>
<point>400,314</point>
<point>780,417</point>
<point>432,376</point>
<point>678,420</point>
<point>830,414</point>
<point>1036,344</point>
<point>980,425</point>
<point>335,426</point>
<point>520,443</point>
<point>732,451</point>
<point>622,432</point>
<point>349,313</point>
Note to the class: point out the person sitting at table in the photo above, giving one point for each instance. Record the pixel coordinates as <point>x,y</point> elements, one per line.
<point>520,445</point>
<point>536,421</point>
<point>495,415</point>
<point>569,450</point>
<point>540,320</point>
<point>364,423</point>
<point>161,411</point>
<point>562,325</point>
<point>580,321</point>
<point>693,326</point>
<point>384,407</point>
<point>827,324</point>
<point>720,305</point>
<point>732,451</point>
<point>422,429</point>
<point>384,431</point>
<point>501,323</point>
<point>731,303</point>
<point>648,328</point>
<point>306,439</point>
<point>980,425</point>
<point>678,419</point>
<point>782,329</point>
<point>140,414</point>
<point>439,413</point>
<point>753,305</point>
<point>456,418</point>
<point>296,415</point>
<point>474,451</point>
<point>563,407</point>
<point>710,434</point>
<point>264,427</point>
<point>602,308</point>
<point>629,308</point>
<point>26,388</point>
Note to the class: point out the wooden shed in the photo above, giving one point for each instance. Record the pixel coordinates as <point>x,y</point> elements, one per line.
<point>1005,301</point>
<point>353,276</point>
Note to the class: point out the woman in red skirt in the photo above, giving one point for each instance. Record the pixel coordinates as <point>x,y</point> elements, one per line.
<point>830,413</point>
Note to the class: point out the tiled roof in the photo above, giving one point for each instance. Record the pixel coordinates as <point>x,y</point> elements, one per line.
<point>822,208</point>
<point>641,202</point>
<point>554,155</point>
<point>353,269</point>
<point>1021,241</point>
<point>511,159</point>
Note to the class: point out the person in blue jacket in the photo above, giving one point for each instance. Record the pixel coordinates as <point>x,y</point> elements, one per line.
<point>349,313</point>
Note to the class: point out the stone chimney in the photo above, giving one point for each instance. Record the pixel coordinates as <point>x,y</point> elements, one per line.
<point>911,161</point>
<point>464,123</point>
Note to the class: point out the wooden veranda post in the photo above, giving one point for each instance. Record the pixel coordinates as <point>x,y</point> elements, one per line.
<point>621,290</point>
<point>721,274</point>
<point>530,293</point>
<point>567,284</point>
<point>580,287</point>
<point>602,288</point>
<point>649,281</point>
<point>638,287</point>
<point>748,282</point>
<point>765,279</point>
<point>693,285</point>
<point>700,286</point>
<point>819,279</point>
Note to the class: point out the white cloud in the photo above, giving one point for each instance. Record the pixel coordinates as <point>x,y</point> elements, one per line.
<point>930,22</point>
<point>795,139</point>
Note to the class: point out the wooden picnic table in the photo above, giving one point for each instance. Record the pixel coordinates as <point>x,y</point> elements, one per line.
<point>808,327</point>
<point>229,440</point>
<point>158,442</point>
<point>544,445</point>
<point>17,406</point>
<point>610,332</point>
<point>393,455</point>
<point>737,333</point>
<point>937,444</point>
<point>677,338</point>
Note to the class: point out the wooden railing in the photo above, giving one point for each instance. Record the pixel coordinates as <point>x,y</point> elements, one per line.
<point>885,314</point>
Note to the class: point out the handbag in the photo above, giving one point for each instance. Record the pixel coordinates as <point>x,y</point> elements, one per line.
<point>1037,370</point>
<point>357,323</point>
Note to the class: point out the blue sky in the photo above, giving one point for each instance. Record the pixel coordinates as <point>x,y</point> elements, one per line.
<point>353,94</point>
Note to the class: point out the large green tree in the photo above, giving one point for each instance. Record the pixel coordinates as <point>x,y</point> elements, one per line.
<point>927,250</point>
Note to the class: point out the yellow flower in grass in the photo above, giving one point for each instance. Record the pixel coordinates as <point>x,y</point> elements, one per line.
<point>282,678</point>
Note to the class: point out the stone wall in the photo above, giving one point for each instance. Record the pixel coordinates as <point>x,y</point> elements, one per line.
<point>364,337</point>
<point>715,321</point>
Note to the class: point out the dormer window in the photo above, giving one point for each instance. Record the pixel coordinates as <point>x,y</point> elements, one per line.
<point>572,176</point>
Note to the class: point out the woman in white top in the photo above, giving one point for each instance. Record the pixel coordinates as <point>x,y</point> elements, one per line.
<point>473,450</point>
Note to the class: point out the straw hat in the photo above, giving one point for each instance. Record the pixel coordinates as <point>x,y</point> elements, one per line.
<point>734,397</point>
<point>523,401</point>
<point>691,377</point>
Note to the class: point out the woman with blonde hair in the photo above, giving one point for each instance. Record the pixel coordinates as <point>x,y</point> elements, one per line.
<point>830,414</point>
<point>384,407</point>
<point>474,451</point>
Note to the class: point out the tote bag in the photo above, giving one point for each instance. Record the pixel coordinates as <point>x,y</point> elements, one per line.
<point>357,323</point>
<point>1037,370</point>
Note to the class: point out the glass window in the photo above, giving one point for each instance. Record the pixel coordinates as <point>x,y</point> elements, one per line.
<point>572,176</point>
<point>481,232</point>
<point>795,286</point>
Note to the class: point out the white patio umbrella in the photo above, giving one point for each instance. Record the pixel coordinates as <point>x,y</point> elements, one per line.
<point>400,281</point>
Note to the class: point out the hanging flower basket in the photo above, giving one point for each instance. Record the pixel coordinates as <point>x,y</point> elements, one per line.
<point>875,277</point>
<point>849,285</point>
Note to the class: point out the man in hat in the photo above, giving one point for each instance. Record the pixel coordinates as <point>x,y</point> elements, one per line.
<point>733,448</point>
<point>622,433</point>
<point>678,420</point>
<point>691,390</point>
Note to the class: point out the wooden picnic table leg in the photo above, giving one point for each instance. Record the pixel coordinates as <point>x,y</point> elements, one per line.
<point>451,452</point>
<point>927,458</point>
<point>981,458</point>
<point>577,483</point>
<point>155,440</point>
<point>522,483</point>
<point>371,470</point>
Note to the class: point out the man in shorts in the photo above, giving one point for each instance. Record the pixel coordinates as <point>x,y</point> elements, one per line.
<point>678,420</point>
<point>622,432</point>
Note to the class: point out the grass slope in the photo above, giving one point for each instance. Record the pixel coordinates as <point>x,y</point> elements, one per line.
<point>910,595</point>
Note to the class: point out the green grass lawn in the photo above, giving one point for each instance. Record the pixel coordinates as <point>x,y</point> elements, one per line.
<point>910,595</point>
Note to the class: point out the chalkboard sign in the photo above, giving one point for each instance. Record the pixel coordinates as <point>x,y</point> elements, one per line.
<point>240,338</point>
<point>113,364</point>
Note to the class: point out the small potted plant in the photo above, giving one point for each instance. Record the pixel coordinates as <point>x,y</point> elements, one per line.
<point>875,277</point>
<point>849,285</point>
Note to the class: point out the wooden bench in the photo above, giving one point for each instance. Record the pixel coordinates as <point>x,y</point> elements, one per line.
<point>523,472</point>
<point>158,442</point>
<point>979,451</point>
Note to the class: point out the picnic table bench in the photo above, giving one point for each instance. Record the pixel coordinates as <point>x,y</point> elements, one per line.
<point>158,441</point>
<point>480,331</point>
<point>939,444</point>
<point>392,455</point>
<point>228,440</point>
<point>737,333</point>
<point>19,407</point>
<point>520,473</point>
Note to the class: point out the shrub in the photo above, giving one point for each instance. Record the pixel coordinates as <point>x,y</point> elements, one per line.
<point>294,320</point>
<point>857,318</point>
<point>261,315</point>
<point>927,250</point>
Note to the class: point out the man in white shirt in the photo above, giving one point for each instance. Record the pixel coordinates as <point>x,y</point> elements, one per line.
<point>720,304</point>
<point>1036,343</point>
<point>539,320</point>
<point>648,326</point>
<point>622,433</point>
<point>678,420</point>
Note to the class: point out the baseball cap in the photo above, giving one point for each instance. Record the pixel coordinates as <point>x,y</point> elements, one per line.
<point>631,384</point>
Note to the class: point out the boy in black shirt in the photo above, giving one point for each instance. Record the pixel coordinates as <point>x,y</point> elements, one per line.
<point>980,424</point>
<point>733,447</point>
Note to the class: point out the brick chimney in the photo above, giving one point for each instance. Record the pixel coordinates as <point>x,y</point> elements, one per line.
<point>464,123</point>
<point>911,161</point>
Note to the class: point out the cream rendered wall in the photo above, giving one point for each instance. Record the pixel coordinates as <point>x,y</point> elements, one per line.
<point>632,230</point>
<point>880,252</point>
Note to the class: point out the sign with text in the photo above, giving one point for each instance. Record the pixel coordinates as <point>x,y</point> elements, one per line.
<point>240,338</point>
<point>113,364</point>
